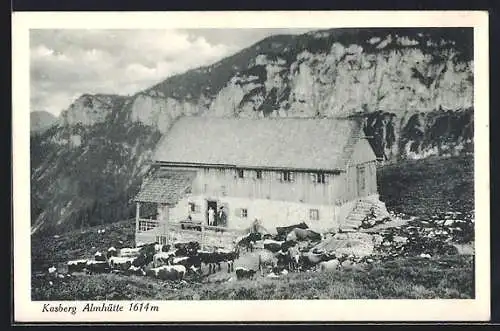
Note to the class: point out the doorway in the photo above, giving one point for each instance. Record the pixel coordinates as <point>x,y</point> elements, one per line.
<point>212,204</point>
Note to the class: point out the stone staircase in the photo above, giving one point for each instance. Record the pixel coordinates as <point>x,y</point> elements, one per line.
<point>362,209</point>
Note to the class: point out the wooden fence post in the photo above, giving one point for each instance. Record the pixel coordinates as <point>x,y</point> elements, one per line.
<point>202,236</point>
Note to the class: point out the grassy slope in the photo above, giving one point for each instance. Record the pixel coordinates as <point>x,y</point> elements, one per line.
<point>429,186</point>
<point>413,278</point>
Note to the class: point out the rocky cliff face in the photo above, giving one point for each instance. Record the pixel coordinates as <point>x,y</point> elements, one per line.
<point>414,90</point>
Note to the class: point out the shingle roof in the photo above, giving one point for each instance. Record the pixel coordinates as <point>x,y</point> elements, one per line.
<point>299,143</point>
<point>165,186</point>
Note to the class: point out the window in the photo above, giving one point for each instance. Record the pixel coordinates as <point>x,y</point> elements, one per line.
<point>241,212</point>
<point>258,174</point>
<point>192,207</point>
<point>146,225</point>
<point>319,178</point>
<point>240,173</point>
<point>162,240</point>
<point>206,170</point>
<point>205,188</point>
<point>223,190</point>
<point>287,176</point>
<point>313,214</point>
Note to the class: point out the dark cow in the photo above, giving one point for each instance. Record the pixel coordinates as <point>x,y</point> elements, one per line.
<point>273,245</point>
<point>283,260</point>
<point>244,273</point>
<point>111,252</point>
<point>285,230</point>
<point>229,257</point>
<point>287,244</point>
<point>248,241</point>
<point>143,259</point>
<point>214,259</point>
<point>97,267</point>
<point>311,259</point>
<point>187,249</point>
<point>191,263</point>
<point>98,256</point>
<point>76,266</point>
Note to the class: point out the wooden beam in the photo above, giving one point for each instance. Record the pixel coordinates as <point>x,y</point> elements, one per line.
<point>137,215</point>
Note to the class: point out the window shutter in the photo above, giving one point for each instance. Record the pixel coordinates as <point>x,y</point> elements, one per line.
<point>292,176</point>
<point>326,178</point>
<point>237,212</point>
<point>279,175</point>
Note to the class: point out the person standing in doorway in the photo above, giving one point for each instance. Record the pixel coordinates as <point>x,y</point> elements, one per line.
<point>221,219</point>
<point>211,214</point>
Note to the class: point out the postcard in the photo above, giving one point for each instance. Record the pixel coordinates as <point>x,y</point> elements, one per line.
<point>251,166</point>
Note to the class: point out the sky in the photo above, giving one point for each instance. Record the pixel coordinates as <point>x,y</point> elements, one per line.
<point>65,64</point>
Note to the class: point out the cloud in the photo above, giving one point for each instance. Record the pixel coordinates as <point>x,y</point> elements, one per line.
<point>67,63</point>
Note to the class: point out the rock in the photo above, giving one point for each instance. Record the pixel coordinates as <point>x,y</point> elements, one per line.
<point>449,222</point>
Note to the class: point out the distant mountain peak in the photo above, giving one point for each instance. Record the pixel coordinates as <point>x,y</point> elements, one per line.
<point>41,120</point>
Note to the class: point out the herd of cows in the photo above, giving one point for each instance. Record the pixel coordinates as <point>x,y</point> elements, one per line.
<point>277,254</point>
<point>294,248</point>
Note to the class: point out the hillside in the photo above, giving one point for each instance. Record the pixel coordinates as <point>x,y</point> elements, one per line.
<point>414,88</point>
<point>41,121</point>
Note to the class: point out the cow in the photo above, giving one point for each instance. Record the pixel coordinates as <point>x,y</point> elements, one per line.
<point>244,273</point>
<point>273,245</point>
<point>138,271</point>
<point>111,252</point>
<point>283,231</point>
<point>163,258</point>
<point>187,249</point>
<point>266,259</point>
<point>283,260</point>
<point>92,267</point>
<point>168,272</point>
<point>143,259</point>
<point>76,265</point>
<point>311,259</point>
<point>130,252</point>
<point>293,258</point>
<point>229,257</point>
<point>302,235</point>
<point>214,259</point>
<point>248,241</point>
<point>120,263</point>
<point>329,265</point>
<point>287,244</point>
<point>191,263</point>
<point>98,256</point>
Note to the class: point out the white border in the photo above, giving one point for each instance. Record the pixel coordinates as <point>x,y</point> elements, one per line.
<point>299,310</point>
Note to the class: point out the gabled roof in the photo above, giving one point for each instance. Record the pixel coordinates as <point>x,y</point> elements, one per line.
<point>165,186</point>
<point>294,143</point>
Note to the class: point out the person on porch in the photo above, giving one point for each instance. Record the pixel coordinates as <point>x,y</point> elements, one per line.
<point>221,217</point>
<point>211,214</point>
